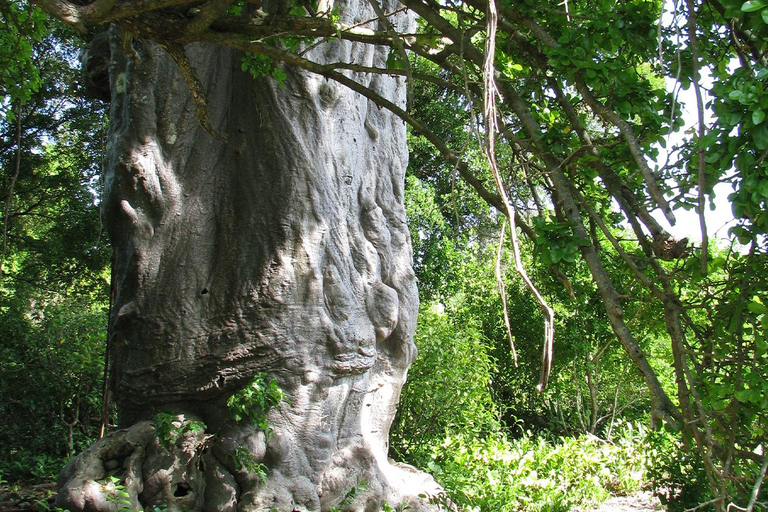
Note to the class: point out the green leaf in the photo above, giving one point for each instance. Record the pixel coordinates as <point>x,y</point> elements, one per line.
<point>747,395</point>
<point>760,136</point>
<point>761,345</point>
<point>764,15</point>
<point>753,5</point>
<point>394,61</point>
<point>762,188</point>
<point>280,76</point>
<point>713,157</point>
<point>757,308</point>
<point>758,116</point>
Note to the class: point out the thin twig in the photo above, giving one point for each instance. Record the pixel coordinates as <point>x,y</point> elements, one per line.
<point>702,128</point>
<point>399,46</point>
<point>704,505</point>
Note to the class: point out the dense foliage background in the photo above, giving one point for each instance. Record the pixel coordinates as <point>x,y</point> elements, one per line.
<point>55,260</point>
<point>470,413</point>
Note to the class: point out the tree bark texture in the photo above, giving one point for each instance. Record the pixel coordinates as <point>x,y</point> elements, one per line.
<point>283,249</point>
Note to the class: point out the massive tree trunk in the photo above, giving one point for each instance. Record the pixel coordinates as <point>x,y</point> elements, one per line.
<point>282,249</point>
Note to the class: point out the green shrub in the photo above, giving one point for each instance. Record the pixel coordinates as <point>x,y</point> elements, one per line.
<point>170,427</point>
<point>448,424</point>
<point>448,388</point>
<point>677,475</point>
<point>536,474</point>
<point>254,401</point>
<point>51,366</point>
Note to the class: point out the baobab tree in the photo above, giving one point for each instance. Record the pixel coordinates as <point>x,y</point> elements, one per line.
<point>258,241</point>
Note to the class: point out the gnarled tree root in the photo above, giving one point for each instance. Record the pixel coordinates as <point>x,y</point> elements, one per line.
<point>131,469</point>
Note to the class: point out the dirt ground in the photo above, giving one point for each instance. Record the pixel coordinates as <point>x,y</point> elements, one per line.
<point>16,498</point>
<point>639,502</point>
<point>34,498</point>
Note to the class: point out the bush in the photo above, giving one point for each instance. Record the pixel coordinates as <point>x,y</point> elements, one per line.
<point>448,388</point>
<point>676,474</point>
<point>536,474</point>
<point>448,424</point>
<point>50,384</point>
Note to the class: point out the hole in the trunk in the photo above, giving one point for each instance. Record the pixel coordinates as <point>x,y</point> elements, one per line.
<point>182,489</point>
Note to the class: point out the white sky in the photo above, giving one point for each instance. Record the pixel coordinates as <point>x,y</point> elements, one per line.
<point>721,218</point>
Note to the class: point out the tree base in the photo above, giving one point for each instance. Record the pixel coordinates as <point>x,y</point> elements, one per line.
<point>130,469</point>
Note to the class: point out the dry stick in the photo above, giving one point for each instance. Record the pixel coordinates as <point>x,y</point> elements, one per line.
<point>491,127</point>
<point>758,484</point>
<point>9,200</point>
<point>398,43</point>
<point>196,89</point>
<point>702,168</point>
<point>503,291</point>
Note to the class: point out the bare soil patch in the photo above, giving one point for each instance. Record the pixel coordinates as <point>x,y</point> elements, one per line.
<point>22,498</point>
<point>639,502</point>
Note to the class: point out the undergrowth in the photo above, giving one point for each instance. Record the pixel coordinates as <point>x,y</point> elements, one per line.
<point>449,425</point>
<point>534,473</point>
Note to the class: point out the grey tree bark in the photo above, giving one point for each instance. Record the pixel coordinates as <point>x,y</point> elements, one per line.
<point>284,250</point>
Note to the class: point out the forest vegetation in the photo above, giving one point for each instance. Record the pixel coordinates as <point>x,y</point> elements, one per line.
<point>658,375</point>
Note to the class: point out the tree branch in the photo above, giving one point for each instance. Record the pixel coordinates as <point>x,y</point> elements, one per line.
<point>206,14</point>
<point>701,163</point>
